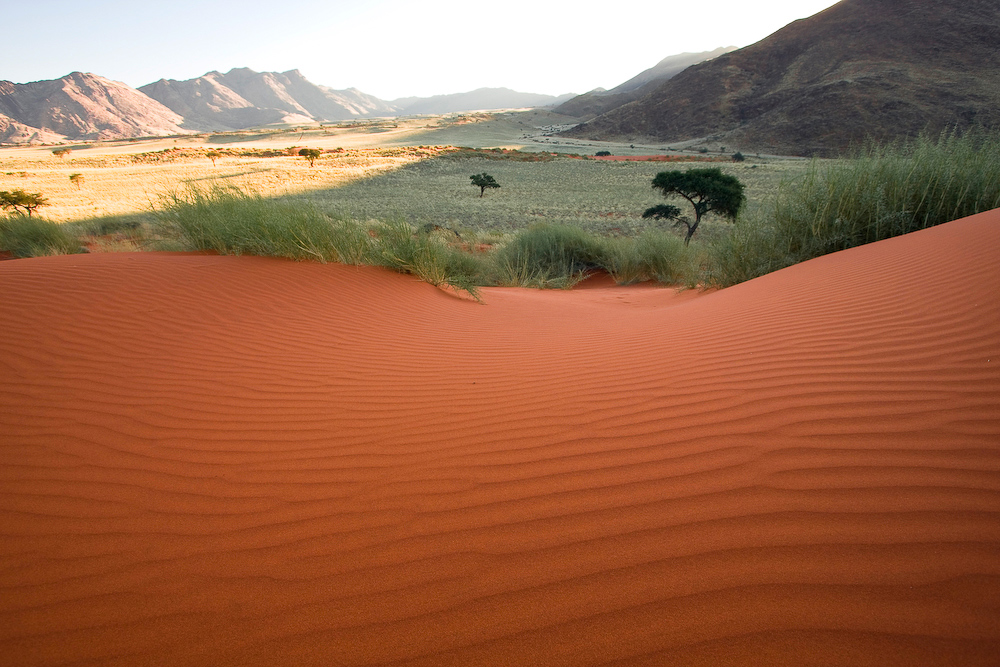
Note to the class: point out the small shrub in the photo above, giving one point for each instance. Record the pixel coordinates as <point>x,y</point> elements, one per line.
<point>738,157</point>
<point>603,154</point>
<point>483,181</point>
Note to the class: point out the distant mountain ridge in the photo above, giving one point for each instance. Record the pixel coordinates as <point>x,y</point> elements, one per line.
<point>882,69</point>
<point>597,102</point>
<point>482,98</point>
<point>242,98</point>
<point>80,106</point>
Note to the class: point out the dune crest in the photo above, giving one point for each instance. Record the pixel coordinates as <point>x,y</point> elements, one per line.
<point>249,461</point>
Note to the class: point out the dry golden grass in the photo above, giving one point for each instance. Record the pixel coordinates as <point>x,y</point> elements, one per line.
<point>114,184</point>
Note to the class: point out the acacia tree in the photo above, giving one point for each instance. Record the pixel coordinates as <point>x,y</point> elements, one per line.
<point>77,180</point>
<point>213,156</point>
<point>707,190</point>
<point>483,181</point>
<point>61,152</point>
<point>19,199</point>
<point>310,154</point>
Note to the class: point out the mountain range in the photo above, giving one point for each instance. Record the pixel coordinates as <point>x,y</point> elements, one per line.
<point>879,69</point>
<point>862,69</point>
<point>83,106</point>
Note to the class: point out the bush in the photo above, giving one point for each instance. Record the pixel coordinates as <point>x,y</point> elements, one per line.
<point>603,153</point>
<point>738,157</point>
<point>885,191</point>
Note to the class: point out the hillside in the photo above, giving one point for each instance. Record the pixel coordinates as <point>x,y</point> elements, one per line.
<point>863,68</point>
<point>600,101</point>
<point>480,99</point>
<point>243,98</point>
<point>80,106</point>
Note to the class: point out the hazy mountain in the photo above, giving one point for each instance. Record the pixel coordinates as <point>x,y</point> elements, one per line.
<point>601,101</point>
<point>862,68</point>
<point>80,106</point>
<point>243,98</point>
<point>481,99</point>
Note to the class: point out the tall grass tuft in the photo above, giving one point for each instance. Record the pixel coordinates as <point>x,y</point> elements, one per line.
<point>426,256</point>
<point>885,191</point>
<point>549,256</point>
<point>23,236</point>
<point>654,255</point>
<point>231,221</point>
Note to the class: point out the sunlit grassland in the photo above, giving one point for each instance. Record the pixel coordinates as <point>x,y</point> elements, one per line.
<point>126,184</point>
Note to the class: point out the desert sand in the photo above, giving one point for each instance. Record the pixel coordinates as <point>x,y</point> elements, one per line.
<point>247,461</point>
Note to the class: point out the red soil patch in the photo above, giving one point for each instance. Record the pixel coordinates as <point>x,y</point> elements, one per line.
<point>248,461</point>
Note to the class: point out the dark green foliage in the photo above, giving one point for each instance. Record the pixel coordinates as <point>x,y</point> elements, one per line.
<point>21,201</point>
<point>483,181</point>
<point>603,153</point>
<point>662,212</point>
<point>707,190</point>
<point>213,156</point>
<point>738,157</point>
<point>310,154</point>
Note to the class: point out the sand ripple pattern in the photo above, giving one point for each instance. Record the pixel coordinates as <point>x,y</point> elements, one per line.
<point>247,461</point>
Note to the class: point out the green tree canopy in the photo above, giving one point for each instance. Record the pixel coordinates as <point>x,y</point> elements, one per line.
<point>19,199</point>
<point>483,181</point>
<point>707,190</point>
<point>213,156</point>
<point>310,154</point>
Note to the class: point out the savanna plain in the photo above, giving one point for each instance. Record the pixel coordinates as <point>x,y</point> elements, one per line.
<point>778,445</point>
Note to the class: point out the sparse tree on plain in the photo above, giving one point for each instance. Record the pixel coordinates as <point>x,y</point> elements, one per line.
<point>19,199</point>
<point>213,156</point>
<point>77,180</point>
<point>483,181</point>
<point>310,154</point>
<point>61,153</point>
<point>707,190</point>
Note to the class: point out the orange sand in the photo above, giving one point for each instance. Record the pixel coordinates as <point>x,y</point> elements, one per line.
<point>247,461</point>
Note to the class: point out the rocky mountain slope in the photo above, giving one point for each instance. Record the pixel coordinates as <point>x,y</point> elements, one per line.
<point>862,68</point>
<point>243,98</point>
<point>599,101</point>
<point>80,106</point>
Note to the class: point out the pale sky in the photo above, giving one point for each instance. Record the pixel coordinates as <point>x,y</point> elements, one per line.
<point>386,48</point>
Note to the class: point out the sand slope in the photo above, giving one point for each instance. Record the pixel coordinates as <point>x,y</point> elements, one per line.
<point>247,461</point>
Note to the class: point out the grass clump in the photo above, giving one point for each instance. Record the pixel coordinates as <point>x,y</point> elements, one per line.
<point>655,255</point>
<point>885,191</point>
<point>23,236</point>
<point>235,222</point>
<point>549,256</point>
<point>231,221</point>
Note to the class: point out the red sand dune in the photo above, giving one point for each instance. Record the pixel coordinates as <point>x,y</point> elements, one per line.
<point>247,461</point>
